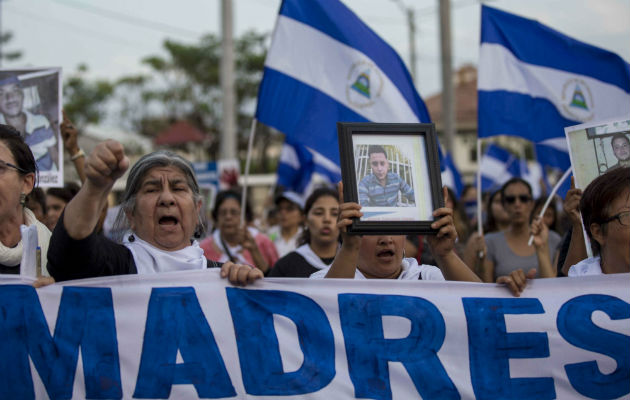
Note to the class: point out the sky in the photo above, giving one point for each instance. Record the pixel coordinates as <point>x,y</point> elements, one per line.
<point>112,37</point>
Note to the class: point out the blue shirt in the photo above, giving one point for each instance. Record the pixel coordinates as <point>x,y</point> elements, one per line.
<point>373,194</point>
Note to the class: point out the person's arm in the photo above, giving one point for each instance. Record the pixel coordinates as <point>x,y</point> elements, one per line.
<point>541,242</point>
<point>345,263</point>
<point>249,243</point>
<point>69,135</point>
<point>577,246</point>
<point>103,167</point>
<point>487,271</point>
<point>475,247</point>
<point>443,247</point>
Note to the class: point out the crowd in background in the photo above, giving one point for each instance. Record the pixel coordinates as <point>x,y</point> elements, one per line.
<point>159,222</point>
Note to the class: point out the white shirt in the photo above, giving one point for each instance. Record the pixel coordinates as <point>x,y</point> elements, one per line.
<point>410,271</point>
<point>284,247</point>
<point>588,266</point>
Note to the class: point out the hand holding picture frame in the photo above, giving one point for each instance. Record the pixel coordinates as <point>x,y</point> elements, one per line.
<point>393,172</point>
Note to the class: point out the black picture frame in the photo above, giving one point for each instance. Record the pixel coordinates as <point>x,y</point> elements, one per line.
<point>416,146</point>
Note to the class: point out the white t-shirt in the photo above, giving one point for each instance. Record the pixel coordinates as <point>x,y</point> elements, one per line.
<point>588,266</point>
<point>284,247</point>
<point>410,271</point>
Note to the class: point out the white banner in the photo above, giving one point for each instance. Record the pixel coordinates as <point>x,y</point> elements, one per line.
<point>192,335</point>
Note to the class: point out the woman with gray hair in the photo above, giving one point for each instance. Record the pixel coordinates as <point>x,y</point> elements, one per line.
<point>159,215</point>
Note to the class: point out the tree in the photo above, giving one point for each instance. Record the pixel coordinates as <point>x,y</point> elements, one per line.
<point>84,100</point>
<point>184,85</point>
<point>8,55</point>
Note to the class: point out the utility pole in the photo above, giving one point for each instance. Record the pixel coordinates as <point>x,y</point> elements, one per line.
<point>229,140</point>
<point>411,17</point>
<point>448,97</point>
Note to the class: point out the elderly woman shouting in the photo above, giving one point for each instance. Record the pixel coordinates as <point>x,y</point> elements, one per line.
<point>160,208</point>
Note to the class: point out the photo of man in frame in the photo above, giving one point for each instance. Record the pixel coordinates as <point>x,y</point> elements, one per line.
<point>381,187</point>
<point>621,149</point>
<point>35,128</point>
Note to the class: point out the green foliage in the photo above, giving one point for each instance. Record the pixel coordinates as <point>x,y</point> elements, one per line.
<point>84,100</point>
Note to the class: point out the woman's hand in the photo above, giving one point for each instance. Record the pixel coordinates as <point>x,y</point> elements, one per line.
<point>444,241</point>
<point>517,280</point>
<point>106,163</point>
<point>347,211</point>
<point>69,134</point>
<point>43,281</point>
<point>571,205</point>
<point>540,232</point>
<point>240,274</point>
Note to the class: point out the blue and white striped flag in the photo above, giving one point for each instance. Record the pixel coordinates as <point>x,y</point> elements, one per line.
<point>299,167</point>
<point>325,65</point>
<point>498,166</point>
<point>450,174</point>
<point>534,81</point>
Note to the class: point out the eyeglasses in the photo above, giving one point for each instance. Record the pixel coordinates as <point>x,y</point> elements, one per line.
<point>4,166</point>
<point>523,198</point>
<point>623,217</point>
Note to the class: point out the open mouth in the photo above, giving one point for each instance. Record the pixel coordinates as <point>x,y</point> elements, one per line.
<point>385,253</point>
<point>168,220</point>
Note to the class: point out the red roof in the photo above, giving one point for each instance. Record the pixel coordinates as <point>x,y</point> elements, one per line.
<point>179,133</point>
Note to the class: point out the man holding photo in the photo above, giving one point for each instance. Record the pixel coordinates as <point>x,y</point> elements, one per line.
<point>35,129</point>
<point>381,187</point>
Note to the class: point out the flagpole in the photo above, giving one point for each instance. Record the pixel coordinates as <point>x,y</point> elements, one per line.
<point>553,193</point>
<point>479,195</point>
<point>250,146</point>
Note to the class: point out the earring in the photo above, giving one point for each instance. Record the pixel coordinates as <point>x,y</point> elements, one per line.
<point>22,199</point>
<point>132,238</point>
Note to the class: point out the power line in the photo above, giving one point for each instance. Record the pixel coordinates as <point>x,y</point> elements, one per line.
<point>131,20</point>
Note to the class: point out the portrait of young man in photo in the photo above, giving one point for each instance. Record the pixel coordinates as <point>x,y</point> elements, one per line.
<point>620,144</point>
<point>381,187</point>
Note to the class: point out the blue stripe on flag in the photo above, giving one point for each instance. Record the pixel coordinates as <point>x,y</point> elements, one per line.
<point>300,109</point>
<point>334,19</point>
<point>510,113</point>
<point>535,43</point>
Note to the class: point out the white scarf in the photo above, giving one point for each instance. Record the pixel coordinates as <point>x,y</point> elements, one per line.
<point>310,256</point>
<point>150,259</point>
<point>12,256</point>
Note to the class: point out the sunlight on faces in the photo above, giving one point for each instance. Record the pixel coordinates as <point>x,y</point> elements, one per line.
<point>518,211</point>
<point>229,217</point>
<point>166,212</point>
<point>12,184</point>
<point>379,164</point>
<point>11,100</point>
<point>321,220</point>
<point>381,256</point>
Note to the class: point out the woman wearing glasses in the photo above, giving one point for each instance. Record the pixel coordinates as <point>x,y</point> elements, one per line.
<point>17,178</point>
<point>508,250</point>
<point>605,208</point>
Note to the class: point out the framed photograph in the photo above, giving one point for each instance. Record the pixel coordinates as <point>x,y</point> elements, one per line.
<point>595,148</point>
<point>393,172</point>
<point>30,101</point>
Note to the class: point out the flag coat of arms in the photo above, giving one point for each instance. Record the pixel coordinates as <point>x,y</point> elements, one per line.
<point>325,65</point>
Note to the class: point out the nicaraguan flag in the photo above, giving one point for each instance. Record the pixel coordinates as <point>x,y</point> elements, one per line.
<point>450,174</point>
<point>325,65</point>
<point>299,167</point>
<point>499,165</point>
<point>533,81</point>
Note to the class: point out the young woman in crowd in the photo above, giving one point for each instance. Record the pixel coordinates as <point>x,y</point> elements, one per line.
<point>286,235</point>
<point>18,172</point>
<point>508,250</point>
<point>497,219</point>
<point>319,241</point>
<point>56,200</point>
<point>605,208</point>
<point>159,215</point>
<point>232,242</point>
<point>383,257</point>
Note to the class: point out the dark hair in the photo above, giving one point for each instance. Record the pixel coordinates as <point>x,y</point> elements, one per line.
<point>37,196</point>
<point>597,197</point>
<point>512,182</point>
<point>619,135</point>
<point>231,194</point>
<point>491,221</point>
<point>305,238</point>
<point>19,149</point>
<point>538,204</point>
<point>66,193</point>
<point>375,148</point>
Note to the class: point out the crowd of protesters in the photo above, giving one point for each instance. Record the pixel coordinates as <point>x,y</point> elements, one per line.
<point>161,228</point>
